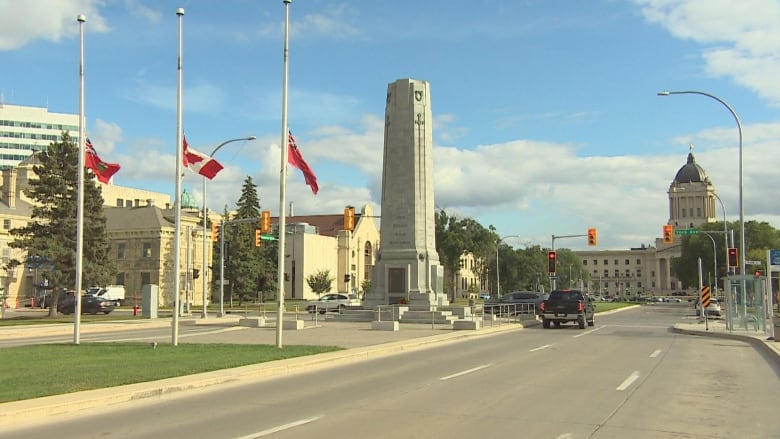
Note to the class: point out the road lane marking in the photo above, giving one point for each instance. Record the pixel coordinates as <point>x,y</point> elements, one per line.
<point>280,428</point>
<point>540,348</point>
<point>565,436</point>
<point>630,380</point>
<point>590,331</point>
<point>455,375</point>
<point>655,353</point>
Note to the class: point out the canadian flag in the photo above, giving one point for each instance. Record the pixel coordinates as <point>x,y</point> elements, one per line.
<point>200,163</point>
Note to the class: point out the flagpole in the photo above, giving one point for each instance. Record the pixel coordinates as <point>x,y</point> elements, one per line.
<point>80,197</point>
<point>283,181</point>
<point>177,198</point>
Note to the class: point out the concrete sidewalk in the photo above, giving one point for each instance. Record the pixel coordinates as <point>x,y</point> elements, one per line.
<point>717,328</point>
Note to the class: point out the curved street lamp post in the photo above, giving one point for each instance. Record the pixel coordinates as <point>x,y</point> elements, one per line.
<point>742,255</point>
<point>205,218</point>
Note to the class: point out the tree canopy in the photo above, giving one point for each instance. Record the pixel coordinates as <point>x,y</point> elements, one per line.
<point>49,239</point>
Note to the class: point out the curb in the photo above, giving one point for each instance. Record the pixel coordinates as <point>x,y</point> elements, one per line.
<point>13,413</point>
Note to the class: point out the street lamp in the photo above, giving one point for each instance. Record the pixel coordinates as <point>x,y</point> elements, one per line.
<point>741,204</point>
<point>205,217</point>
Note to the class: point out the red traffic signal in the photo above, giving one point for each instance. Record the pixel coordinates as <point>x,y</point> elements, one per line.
<point>551,261</point>
<point>733,257</point>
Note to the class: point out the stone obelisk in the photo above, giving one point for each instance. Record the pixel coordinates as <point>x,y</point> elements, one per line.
<point>408,268</point>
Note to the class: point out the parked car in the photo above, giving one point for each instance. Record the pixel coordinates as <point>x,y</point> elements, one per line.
<point>516,302</point>
<point>332,302</point>
<point>89,305</point>
<point>115,293</point>
<point>712,310</point>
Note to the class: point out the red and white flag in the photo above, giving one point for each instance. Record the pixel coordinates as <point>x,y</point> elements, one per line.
<point>102,170</point>
<point>200,163</point>
<point>295,158</point>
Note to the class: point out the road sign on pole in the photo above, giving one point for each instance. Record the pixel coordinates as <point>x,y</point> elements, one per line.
<point>687,231</point>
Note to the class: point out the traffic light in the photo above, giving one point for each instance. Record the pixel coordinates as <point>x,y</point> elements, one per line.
<point>551,261</point>
<point>195,273</point>
<point>346,278</point>
<point>265,221</point>
<point>214,232</point>
<point>258,237</point>
<point>593,236</point>
<point>668,233</point>
<point>349,218</point>
<point>733,257</point>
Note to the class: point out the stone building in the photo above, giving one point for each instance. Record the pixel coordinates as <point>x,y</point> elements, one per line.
<point>646,270</point>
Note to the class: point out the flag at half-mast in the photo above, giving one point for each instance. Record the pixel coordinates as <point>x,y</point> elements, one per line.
<point>199,162</point>
<point>102,170</point>
<point>295,158</point>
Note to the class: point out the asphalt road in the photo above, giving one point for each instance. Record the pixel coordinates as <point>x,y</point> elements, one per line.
<point>629,376</point>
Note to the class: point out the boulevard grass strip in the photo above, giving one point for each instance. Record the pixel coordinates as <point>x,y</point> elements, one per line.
<point>43,370</point>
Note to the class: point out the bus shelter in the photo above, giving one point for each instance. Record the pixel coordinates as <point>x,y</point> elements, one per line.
<point>749,305</point>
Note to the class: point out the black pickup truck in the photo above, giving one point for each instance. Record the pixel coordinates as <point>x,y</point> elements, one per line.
<point>568,306</point>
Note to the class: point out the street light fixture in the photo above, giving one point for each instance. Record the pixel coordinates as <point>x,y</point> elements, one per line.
<point>741,204</point>
<point>205,218</point>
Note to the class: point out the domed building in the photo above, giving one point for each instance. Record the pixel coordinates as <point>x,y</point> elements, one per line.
<point>691,197</point>
<point>646,270</point>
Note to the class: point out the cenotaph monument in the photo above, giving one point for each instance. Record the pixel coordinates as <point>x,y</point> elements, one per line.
<point>408,269</point>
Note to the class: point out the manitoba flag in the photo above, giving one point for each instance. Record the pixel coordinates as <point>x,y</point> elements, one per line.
<point>200,163</point>
<point>295,158</point>
<point>102,170</point>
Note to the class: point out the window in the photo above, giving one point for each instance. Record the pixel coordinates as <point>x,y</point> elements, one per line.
<point>120,202</point>
<point>120,250</point>
<point>638,262</point>
<point>698,212</point>
<point>147,250</point>
<point>616,262</point>
<point>585,262</point>
<point>146,278</point>
<point>120,279</point>
<point>6,224</point>
<point>627,262</point>
<point>617,273</point>
<point>606,262</point>
<point>595,262</point>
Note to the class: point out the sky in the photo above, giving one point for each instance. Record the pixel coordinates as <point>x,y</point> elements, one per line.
<point>546,114</point>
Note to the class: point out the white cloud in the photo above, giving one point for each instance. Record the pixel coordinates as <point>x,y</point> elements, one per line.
<point>22,22</point>
<point>741,39</point>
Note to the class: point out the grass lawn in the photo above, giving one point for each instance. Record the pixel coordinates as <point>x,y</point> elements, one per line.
<point>42,370</point>
<point>609,306</point>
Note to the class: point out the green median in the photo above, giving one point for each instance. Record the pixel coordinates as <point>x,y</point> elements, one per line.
<point>35,371</point>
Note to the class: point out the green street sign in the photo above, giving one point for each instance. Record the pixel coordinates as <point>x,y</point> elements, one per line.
<point>687,232</point>
<point>268,237</point>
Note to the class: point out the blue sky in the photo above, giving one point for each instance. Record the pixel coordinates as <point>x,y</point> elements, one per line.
<point>546,118</point>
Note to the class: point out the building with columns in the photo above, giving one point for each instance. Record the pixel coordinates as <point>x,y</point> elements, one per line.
<point>646,270</point>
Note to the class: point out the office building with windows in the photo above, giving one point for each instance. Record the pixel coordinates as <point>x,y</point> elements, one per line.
<point>25,130</point>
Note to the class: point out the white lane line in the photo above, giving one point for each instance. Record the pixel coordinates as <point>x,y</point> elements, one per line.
<point>590,331</point>
<point>540,348</point>
<point>455,375</point>
<point>630,380</point>
<point>280,428</point>
<point>655,353</point>
<point>565,436</point>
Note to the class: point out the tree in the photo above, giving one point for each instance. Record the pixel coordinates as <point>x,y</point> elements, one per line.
<point>252,269</point>
<point>454,237</point>
<point>320,281</point>
<point>51,233</point>
<point>760,237</point>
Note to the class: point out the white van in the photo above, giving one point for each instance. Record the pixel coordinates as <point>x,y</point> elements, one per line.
<point>110,292</point>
